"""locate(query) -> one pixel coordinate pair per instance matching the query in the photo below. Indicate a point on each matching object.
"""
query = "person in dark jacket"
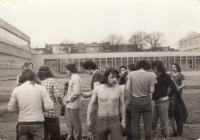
(160, 97)
(177, 110)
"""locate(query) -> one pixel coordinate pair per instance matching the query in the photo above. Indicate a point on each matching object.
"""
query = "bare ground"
(191, 97)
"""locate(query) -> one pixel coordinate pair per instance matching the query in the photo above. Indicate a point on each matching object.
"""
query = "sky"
(87, 21)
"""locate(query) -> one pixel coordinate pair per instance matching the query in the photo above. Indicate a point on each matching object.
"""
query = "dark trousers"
(108, 125)
(141, 106)
(51, 128)
(179, 121)
(28, 129)
(128, 125)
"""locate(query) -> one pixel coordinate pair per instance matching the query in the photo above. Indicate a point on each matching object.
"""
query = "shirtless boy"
(110, 99)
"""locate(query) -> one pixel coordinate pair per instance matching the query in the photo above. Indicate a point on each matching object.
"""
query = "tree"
(138, 39)
(116, 42)
(190, 33)
(67, 44)
(105, 46)
(155, 40)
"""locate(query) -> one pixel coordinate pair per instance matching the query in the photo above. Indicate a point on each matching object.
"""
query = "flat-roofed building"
(57, 62)
(14, 49)
(191, 43)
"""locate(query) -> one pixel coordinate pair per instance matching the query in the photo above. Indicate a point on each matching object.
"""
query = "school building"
(14, 49)
(57, 62)
(191, 43)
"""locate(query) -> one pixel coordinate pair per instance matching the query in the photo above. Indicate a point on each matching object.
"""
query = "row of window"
(185, 62)
(12, 39)
(8, 61)
(190, 42)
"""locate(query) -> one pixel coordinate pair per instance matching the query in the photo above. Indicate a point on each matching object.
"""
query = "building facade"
(14, 49)
(191, 43)
(57, 62)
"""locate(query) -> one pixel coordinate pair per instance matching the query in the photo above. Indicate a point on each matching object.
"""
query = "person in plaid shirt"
(51, 124)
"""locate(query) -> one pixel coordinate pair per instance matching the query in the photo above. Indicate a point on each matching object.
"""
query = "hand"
(72, 99)
(123, 124)
(89, 125)
(178, 89)
(84, 95)
(163, 99)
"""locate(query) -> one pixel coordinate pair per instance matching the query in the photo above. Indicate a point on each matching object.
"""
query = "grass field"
(191, 98)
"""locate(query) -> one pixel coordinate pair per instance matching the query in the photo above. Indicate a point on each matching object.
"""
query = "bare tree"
(67, 44)
(105, 46)
(138, 39)
(190, 33)
(155, 40)
(117, 42)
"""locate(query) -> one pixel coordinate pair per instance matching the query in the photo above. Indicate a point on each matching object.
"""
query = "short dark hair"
(44, 72)
(159, 65)
(177, 66)
(28, 75)
(143, 64)
(131, 67)
(125, 67)
(107, 72)
(72, 68)
(26, 64)
(89, 64)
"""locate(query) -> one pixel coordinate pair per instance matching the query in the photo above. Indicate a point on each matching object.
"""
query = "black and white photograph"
(99, 69)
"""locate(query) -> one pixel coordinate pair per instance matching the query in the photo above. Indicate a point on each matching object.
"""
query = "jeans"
(73, 124)
(171, 115)
(108, 125)
(160, 110)
(51, 128)
(141, 106)
(34, 129)
(128, 125)
(93, 119)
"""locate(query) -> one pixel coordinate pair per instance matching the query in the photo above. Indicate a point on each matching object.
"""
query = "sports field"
(191, 97)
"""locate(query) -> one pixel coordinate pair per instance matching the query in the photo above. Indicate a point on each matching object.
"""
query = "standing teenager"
(92, 69)
(73, 102)
(177, 108)
(30, 100)
(160, 97)
(51, 124)
(110, 99)
(141, 85)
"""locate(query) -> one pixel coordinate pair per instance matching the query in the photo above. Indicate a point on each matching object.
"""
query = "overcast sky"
(52, 21)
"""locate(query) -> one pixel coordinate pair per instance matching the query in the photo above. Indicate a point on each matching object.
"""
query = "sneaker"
(174, 135)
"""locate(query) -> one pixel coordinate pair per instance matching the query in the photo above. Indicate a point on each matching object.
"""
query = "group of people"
(118, 99)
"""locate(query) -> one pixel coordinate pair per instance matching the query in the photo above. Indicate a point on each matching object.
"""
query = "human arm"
(47, 102)
(183, 82)
(89, 94)
(128, 84)
(172, 86)
(92, 103)
(13, 104)
(153, 81)
(86, 94)
(122, 110)
(58, 95)
(17, 80)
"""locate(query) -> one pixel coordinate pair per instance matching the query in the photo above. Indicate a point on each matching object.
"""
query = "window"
(0, 60)
(3, 35)
(7, 36)
(0, 34)
(17, 41)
